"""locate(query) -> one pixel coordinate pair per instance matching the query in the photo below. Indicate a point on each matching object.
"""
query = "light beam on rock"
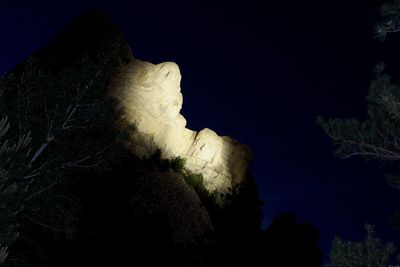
(151, 96)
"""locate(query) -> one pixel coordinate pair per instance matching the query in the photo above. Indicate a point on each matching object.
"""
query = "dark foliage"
(286, 243)
(375, 137)
(368, 252)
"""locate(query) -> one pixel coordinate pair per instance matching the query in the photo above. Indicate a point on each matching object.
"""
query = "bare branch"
(44, 224)
(79, 163)
(41, 191)
(91, 81)
(35, 172)
(42, 148)
(367, 149)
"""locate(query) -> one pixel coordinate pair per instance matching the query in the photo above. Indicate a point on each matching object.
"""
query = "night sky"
(259, 73)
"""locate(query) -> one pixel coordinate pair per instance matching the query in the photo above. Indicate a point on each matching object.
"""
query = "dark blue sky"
(260, 73)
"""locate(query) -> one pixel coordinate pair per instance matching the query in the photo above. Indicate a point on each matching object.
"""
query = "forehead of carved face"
(166, 81)
(148, 76)
(154, 89)
(167, 74)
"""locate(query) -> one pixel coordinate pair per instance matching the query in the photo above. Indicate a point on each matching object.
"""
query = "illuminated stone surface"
(151, 96)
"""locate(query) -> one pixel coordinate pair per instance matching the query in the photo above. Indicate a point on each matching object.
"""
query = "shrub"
(178, 164)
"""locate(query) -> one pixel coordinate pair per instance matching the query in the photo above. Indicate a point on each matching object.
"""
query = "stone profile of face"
(156, 89)
(151, 97)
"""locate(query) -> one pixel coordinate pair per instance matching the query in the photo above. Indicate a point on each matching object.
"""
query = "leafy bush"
(196, 180)
(178, 164)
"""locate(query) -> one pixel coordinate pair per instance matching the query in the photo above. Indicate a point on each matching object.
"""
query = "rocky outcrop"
(90, 190)
(151, 97)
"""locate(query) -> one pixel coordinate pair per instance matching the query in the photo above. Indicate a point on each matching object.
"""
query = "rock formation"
(90, 194)
(151, 97)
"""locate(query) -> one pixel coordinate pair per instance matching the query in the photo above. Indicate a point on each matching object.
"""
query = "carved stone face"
(151, 97)
(164, 82)
(154, 90)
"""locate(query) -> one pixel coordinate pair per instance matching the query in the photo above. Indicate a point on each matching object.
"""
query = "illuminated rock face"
(150, 95)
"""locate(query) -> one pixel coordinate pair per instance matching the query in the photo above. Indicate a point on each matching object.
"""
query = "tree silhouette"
(370, 252)
(286, 243)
